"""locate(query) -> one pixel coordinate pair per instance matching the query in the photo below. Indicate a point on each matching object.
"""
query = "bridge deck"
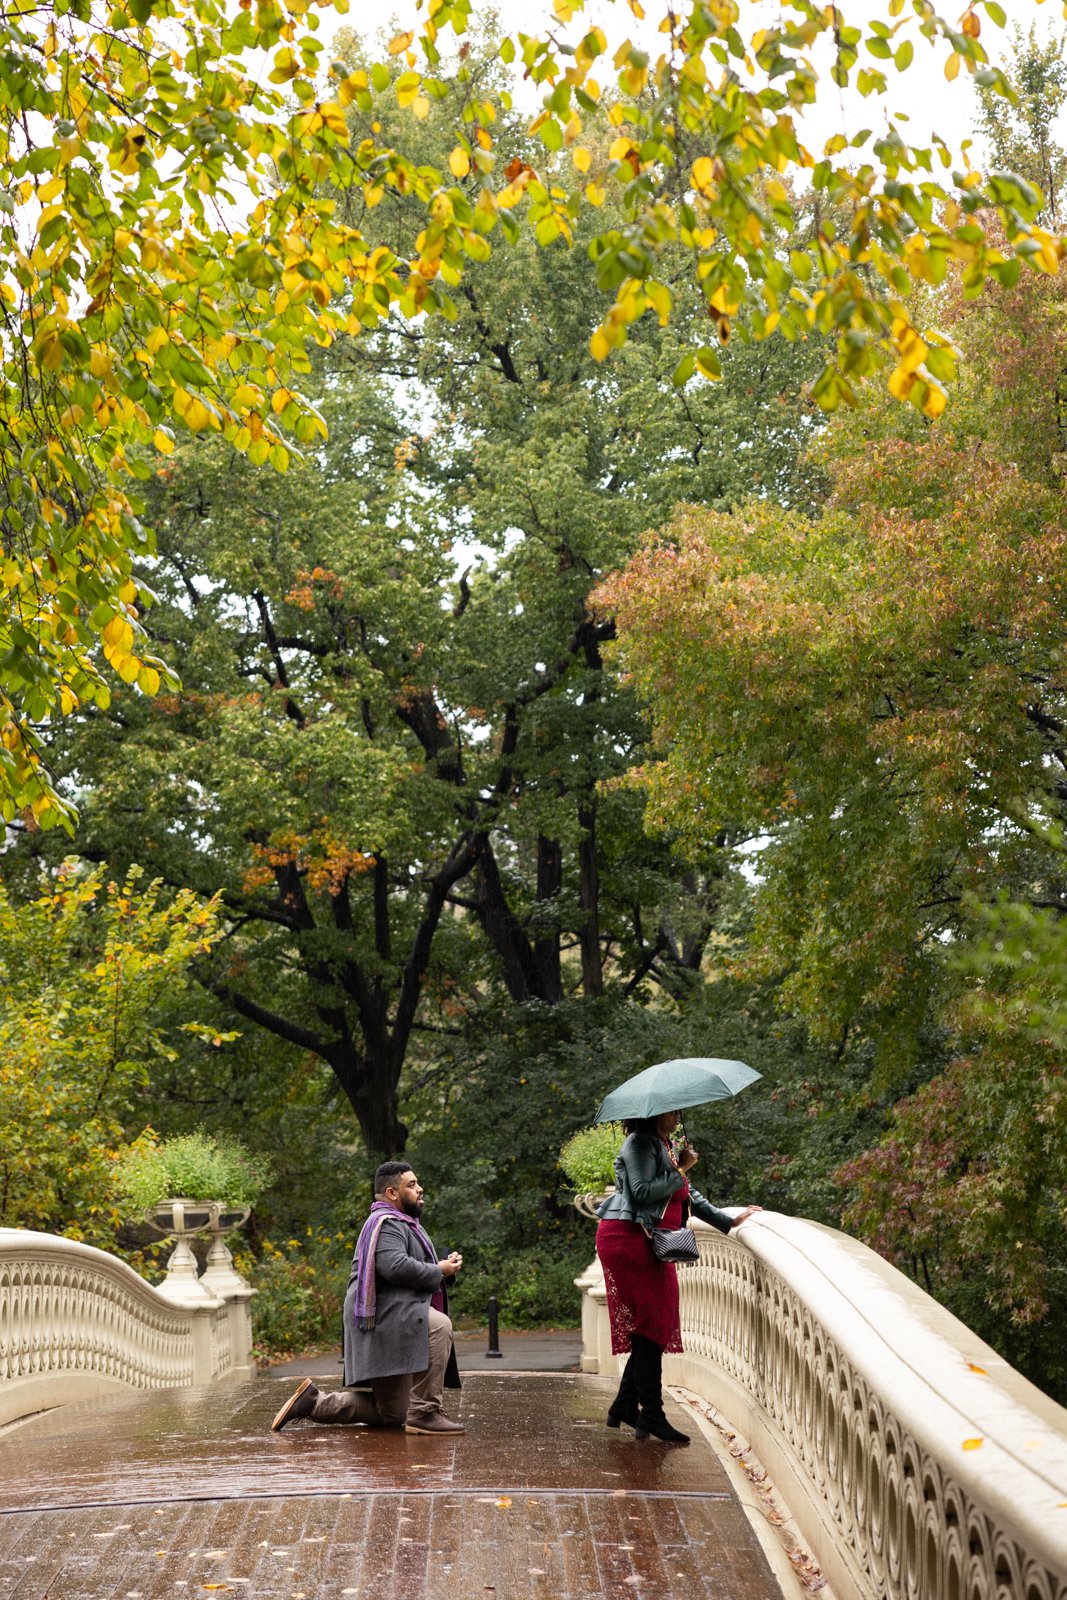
(187, 1491)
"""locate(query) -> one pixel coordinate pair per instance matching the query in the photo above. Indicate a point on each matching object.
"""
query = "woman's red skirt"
(642, 1292)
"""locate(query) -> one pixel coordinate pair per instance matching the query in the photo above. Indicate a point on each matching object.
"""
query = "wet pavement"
(185, 1491)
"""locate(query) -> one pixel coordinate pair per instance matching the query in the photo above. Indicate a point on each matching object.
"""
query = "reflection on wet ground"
(188, 1490)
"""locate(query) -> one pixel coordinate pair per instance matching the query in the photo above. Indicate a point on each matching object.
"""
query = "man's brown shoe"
(299, 1404)
(434, 1423)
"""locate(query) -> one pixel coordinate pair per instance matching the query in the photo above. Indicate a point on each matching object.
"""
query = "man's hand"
(451, 1264)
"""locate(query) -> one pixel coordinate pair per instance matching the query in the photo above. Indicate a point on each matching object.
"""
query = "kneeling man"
(397, 1335)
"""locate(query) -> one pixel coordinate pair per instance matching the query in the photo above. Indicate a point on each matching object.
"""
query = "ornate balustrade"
(76, 1323)
(918, 1464)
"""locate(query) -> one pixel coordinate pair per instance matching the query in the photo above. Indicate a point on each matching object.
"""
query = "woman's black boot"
(648, 1374)
(656, 1425)
(624, 1406)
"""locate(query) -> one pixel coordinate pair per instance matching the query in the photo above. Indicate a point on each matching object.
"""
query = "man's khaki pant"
(406, 1397)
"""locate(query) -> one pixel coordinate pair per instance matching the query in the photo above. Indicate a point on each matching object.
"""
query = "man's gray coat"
(399, 1342)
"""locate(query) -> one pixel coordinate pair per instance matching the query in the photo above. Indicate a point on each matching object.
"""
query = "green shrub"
(588, 1157)
(301, 1289)
(196, 1166)
(302, 1282)
(533, 1290)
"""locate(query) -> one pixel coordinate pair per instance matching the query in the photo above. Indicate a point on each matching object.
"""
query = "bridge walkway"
(178, 1493)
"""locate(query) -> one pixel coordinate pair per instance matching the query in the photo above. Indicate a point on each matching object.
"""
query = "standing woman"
(651, 1190)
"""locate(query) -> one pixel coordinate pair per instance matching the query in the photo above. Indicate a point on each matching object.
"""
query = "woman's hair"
(639, 1125)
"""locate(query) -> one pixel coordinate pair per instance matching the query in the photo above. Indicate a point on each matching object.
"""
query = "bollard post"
(493, 1352)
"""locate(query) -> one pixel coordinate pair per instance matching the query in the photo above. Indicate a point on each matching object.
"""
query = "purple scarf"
(366, 1245)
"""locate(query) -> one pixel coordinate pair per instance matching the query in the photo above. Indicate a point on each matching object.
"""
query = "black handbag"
(678, 1245)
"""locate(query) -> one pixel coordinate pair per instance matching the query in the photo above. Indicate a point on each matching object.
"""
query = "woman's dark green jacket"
(645, 1181)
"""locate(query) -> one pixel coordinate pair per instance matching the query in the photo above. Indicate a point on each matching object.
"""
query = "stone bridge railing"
(77, 1324)
(917, 1463)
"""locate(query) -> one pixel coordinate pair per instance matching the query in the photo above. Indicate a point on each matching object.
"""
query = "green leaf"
(684, 370)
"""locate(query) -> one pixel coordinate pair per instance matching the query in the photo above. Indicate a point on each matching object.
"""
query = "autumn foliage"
(184, 189)
(874, 698)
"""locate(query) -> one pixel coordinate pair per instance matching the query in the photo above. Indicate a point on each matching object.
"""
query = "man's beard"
(412, 1208)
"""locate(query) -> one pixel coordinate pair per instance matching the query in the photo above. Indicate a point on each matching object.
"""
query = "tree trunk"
(371, 1089)
(546, 946)
(589, 900)
(502, 927)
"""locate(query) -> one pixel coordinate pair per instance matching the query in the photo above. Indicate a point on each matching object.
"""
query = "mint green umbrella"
(673, 1085)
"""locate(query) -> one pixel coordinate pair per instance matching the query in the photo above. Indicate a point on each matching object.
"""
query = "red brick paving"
(187, 1493)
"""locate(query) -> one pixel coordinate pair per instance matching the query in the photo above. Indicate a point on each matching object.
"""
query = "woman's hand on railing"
(743, 1216)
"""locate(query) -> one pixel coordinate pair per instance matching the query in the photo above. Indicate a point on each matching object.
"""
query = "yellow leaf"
(952, 67)
(981, 1370)
(118, 634)
(421, 106)
(197, 416)
(459, 162)
(581, 158)
(163, 442)
(400, 43)
(900, 383)
(599, 345)
(620, 149)
(913, 350)
(594, 194)
(349, 87)
(50, 352)
(334, 119)
(973, 1444)
(935, 399)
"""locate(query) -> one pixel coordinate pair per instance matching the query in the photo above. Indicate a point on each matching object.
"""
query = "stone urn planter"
(590, 1285)
(181, 1218)
(220, 1275)
(587, 1200)
(194, 1184)
(588, 1159)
